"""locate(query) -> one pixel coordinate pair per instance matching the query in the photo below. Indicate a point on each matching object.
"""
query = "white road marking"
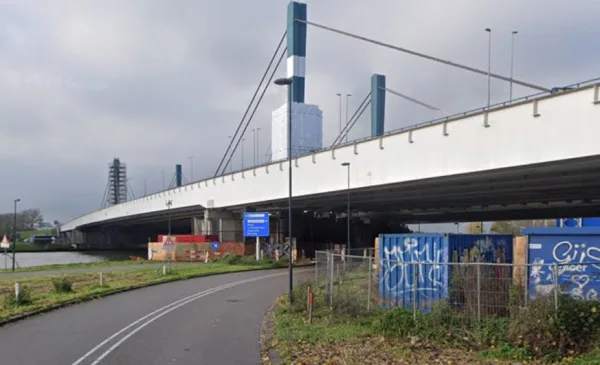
(165, 309)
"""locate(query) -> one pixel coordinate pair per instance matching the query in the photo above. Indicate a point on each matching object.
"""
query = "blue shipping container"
(402, 282)
(578, 222)
(576, 251)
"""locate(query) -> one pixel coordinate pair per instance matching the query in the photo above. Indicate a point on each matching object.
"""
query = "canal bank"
(44, 258)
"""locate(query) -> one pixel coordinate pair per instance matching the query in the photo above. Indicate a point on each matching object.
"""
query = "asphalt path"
(211, 320)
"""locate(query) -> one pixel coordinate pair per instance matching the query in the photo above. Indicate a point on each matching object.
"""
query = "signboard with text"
(256, 224)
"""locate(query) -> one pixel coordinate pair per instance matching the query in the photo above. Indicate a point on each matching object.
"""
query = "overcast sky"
(153, 82)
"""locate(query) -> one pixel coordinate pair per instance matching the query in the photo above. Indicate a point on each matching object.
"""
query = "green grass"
(106, 264)
(41, 288)
(36, 247)
(43, 232)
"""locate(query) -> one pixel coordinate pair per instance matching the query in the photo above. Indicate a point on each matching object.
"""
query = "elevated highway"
(533, 157)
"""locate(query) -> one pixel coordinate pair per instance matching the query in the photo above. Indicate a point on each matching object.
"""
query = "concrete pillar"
(221, 222)
(377, 105)
(198, 225)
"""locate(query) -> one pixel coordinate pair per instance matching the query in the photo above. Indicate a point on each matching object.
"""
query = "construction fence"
(355, 284)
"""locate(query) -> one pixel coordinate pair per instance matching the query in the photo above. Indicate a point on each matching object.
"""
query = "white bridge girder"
(545, 130)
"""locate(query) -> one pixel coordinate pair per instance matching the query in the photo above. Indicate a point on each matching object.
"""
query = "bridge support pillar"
(377, 105)
(223, 223)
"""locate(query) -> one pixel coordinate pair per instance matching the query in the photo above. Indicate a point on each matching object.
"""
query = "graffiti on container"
(575, 274)
(397, 264)
(270, 248)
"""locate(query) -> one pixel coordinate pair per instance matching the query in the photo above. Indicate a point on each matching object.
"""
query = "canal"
(29, 259)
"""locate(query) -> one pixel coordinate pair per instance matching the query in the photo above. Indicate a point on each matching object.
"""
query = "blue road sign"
(256, 224)
(214, 245)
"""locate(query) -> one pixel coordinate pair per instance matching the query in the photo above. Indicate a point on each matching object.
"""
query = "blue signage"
(214, 245)
(256, 224)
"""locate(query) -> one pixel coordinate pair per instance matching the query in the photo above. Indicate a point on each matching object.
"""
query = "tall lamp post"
(191, 168)
(489, 87)
(257, 147)
(14, 250)
(512, 60)
(243, 139)
(340, 114)
(347, 165)
(288, 82)
(347, 99)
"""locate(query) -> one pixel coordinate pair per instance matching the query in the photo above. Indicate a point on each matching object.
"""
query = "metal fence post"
(555, 286)
(479, 292)
(316, 270)
(331, 261)
(526, 288)
(369, 285)
(415, 288)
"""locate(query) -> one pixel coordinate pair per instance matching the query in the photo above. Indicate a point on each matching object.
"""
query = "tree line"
(27, 220)
(511, 227)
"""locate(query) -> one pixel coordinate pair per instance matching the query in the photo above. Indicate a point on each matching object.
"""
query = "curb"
(268, 354)
(118, 291)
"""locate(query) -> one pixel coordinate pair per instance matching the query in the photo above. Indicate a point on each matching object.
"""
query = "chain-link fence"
(468, 290)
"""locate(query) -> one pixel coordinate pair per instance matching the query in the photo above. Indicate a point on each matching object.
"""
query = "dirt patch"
(379, 351)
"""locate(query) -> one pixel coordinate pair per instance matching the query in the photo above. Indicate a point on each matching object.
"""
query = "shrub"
(231, 259)
(550, 333)
(62, 285)
(397, 322)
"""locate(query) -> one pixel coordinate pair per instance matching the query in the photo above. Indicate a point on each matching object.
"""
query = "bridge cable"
(422, 55)
(250, 104)
(283, 52)
(341, 136)
(355, 120)
(414, 100)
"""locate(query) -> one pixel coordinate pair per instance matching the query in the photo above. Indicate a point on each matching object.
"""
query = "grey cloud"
(153, 83)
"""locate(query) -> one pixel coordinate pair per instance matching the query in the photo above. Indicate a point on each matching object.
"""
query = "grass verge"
(41, 292)
(349, 334)
(100, 264)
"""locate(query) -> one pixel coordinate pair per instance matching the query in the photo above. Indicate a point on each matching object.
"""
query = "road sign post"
(168, 246)
(5, 245)
(256, 224)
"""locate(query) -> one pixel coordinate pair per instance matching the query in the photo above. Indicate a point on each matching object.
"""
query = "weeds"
(62, 285)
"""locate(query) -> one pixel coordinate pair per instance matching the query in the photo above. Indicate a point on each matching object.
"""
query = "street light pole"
(230, 164)
(347, 97)
(489, 91)
(340, 97)
(191, 168)
(168, 203)
(253, 147)
(243, 139)
(347, 164)
(288, 82)
(512, 61)
(257, 147)
(15, 235)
